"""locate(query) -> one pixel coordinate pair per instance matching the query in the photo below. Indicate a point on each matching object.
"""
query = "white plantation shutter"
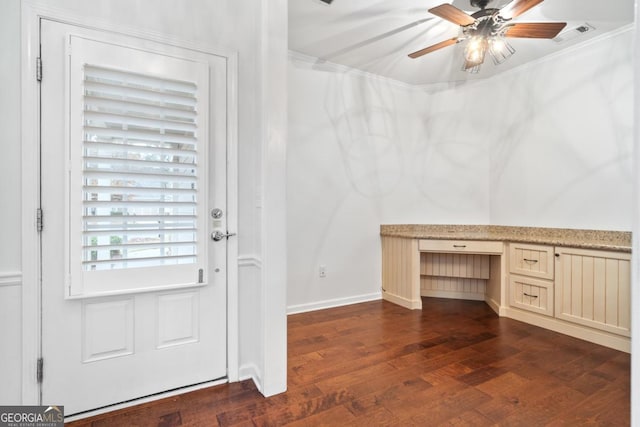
(137, 186)
(139, 171)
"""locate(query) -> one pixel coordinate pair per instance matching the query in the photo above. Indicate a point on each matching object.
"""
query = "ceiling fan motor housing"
(480, 3)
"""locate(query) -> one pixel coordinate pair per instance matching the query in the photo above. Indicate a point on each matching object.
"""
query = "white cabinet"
(584, 293)
(531, 272)
(531, 294)
(456, 246)
(593, 289)
(531, 260)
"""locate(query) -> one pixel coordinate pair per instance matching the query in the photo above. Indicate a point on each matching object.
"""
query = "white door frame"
(31, 14)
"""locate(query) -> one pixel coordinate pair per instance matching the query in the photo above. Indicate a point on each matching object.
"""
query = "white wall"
(562, 150)
(547, 144)
(365, 151)
(232, 25)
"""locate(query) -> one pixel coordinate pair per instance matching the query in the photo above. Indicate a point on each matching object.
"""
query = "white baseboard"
(453, 295)
(495, 306)
(402, 301)
(251, 372)
(577, 331)
(338, 302)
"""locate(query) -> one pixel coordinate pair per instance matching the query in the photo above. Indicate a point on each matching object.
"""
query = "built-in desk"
(572, 281)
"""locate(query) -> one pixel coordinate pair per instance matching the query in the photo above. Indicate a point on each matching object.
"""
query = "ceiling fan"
(487, 29)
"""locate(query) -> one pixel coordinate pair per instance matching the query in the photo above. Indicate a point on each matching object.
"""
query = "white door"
(133, 164)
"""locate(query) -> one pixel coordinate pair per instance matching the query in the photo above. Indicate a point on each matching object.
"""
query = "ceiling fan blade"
(434, 47)
(540, 30)
(518, 7)
(452, 14)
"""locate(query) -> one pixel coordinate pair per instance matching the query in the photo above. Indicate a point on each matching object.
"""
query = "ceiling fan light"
(500, 50)
(476, 50)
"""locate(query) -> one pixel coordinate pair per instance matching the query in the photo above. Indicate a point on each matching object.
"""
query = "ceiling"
(377, 35)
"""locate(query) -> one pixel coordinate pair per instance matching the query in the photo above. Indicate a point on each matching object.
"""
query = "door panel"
(125, 341)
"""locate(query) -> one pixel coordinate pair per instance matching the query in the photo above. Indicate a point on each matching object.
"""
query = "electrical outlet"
(322, 271)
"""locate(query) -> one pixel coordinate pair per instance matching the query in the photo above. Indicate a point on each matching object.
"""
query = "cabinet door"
(593, 289)
(531, 260)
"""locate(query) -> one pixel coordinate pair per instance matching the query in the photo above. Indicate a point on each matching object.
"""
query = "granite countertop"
(587, 239)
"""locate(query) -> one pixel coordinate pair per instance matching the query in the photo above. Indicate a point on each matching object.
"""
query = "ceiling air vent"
(574, 33)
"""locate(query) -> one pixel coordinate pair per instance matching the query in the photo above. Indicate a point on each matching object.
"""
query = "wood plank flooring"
(377, 364)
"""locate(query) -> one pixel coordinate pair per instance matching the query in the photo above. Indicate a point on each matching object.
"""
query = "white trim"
(251, 372)
(10, 279)
(233, 302)
(136, 402)
(320, 64)
(337, 302)
(402, 301)
(272, 100)
(31, 13)
(635, 237)
(471, 296)
(249, 261)
(495, 306)
(34, 8)
(598, 337)
(30, 164)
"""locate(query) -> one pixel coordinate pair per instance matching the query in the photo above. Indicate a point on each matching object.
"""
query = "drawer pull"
(460, 246)
(530, 261)
(530, 296)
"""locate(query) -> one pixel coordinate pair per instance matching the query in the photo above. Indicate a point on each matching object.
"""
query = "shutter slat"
(141, 163)
(113, 189)
(137, 109)
(134, 80)
(145, 204)
(122, 121)
(166, 259)
(153, 139)
(122, 175)
(130, 246)
(183, 102)
(134, 231)
(137, 218)
(112, 147)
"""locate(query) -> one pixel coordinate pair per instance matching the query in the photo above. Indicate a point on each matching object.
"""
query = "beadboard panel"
(453, 287)
(467, 266)
(400, 271)
(593, 288)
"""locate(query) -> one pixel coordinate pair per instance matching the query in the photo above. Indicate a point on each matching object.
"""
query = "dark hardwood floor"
(377, 364)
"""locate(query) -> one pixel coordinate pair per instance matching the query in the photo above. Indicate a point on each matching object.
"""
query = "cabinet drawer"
(531, 260)
(455, 246)
(531, 294)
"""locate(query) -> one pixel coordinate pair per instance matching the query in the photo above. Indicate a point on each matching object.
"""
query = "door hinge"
(201, 276)
(39, 221)
(39, 370)
(39, 69)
